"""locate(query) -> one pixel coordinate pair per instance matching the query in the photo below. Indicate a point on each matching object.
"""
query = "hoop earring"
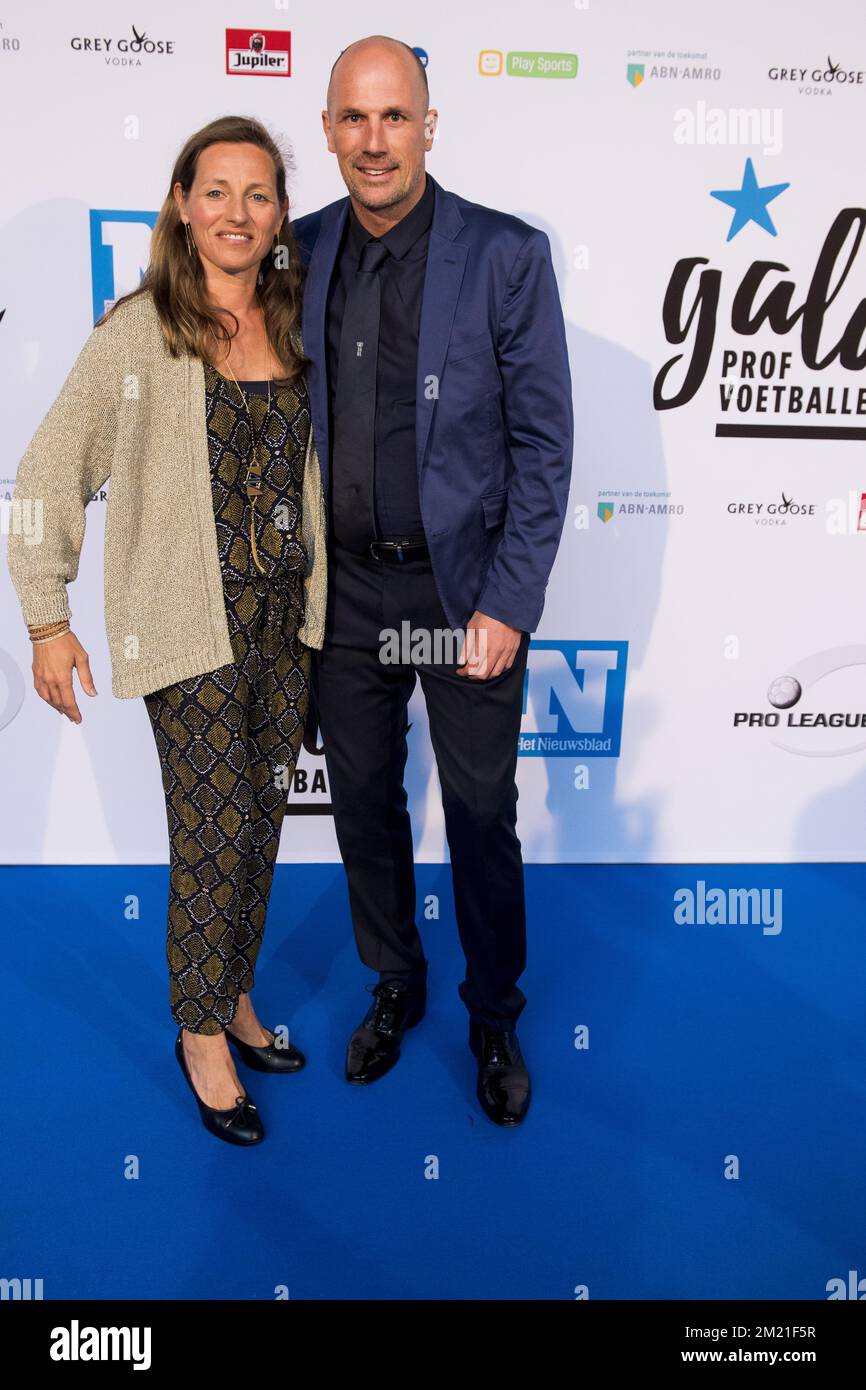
(189, 241)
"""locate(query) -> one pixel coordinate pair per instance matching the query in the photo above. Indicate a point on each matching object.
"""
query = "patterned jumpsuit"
(228, 740)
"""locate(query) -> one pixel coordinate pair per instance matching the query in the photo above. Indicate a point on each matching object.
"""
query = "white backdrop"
(696, 571)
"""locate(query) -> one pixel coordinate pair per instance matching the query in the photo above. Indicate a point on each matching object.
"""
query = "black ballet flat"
(268, 1058)
(239, 1125)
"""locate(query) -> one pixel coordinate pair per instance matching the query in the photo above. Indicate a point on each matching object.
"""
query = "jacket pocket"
(467, 345)
(494, 505)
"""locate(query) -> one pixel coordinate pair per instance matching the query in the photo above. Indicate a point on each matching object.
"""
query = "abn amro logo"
(573, 699)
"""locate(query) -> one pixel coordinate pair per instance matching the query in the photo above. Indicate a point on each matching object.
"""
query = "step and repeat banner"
(697, 687)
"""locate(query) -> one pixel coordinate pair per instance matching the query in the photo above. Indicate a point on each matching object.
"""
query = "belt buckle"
(394, 550)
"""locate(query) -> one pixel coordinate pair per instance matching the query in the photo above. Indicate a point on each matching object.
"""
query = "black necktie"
(355, 405)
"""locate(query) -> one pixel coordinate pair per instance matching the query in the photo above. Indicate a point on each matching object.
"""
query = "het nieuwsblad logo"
(573, 699)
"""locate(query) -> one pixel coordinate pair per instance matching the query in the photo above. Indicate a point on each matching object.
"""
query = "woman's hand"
(53, 663)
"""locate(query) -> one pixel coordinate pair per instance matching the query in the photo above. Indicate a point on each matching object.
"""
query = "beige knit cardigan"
(131, 412)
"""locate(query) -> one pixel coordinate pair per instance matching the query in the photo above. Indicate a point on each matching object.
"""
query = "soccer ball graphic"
(784, 692)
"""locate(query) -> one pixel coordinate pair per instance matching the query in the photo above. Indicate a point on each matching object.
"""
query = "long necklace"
(253, 480)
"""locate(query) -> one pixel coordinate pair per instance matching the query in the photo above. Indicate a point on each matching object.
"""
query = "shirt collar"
(404, 234)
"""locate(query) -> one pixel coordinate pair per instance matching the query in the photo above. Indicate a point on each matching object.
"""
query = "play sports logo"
(526, 63)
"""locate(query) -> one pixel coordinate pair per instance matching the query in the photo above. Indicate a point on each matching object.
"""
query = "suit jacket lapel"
(318, 279)
(446, 263)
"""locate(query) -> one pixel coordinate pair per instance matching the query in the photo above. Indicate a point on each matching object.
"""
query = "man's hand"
(490, 648)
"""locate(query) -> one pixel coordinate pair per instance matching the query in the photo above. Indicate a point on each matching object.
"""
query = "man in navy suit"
(441, 406)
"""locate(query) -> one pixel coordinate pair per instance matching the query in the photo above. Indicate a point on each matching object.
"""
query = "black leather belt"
(397, 552)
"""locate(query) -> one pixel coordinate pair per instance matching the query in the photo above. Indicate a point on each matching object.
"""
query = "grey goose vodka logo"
(126, 50)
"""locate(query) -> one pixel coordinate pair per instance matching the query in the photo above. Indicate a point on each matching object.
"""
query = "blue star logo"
(750, 202)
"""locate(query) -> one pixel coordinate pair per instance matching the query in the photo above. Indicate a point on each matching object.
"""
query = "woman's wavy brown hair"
(176, 279)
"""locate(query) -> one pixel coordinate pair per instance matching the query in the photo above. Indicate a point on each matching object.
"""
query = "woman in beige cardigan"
(190, 395)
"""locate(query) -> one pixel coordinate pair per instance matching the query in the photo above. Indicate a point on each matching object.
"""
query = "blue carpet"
(705, 1041)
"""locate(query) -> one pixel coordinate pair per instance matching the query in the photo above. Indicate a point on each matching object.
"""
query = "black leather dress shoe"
(239, 1125)
(374, 1046)
(503, 1087)
(268, 1058)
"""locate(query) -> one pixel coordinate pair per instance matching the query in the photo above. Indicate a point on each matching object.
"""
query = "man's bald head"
(380, 126)
(368, 49)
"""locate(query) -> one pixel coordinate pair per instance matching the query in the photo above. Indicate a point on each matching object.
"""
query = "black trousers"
(474, 727)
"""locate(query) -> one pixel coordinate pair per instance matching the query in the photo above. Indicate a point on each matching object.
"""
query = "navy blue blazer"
(494, 416)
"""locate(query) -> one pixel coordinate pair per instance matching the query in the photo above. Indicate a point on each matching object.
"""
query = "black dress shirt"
(396, 499)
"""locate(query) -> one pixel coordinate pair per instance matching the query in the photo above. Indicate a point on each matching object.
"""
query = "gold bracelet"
(49, 637)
